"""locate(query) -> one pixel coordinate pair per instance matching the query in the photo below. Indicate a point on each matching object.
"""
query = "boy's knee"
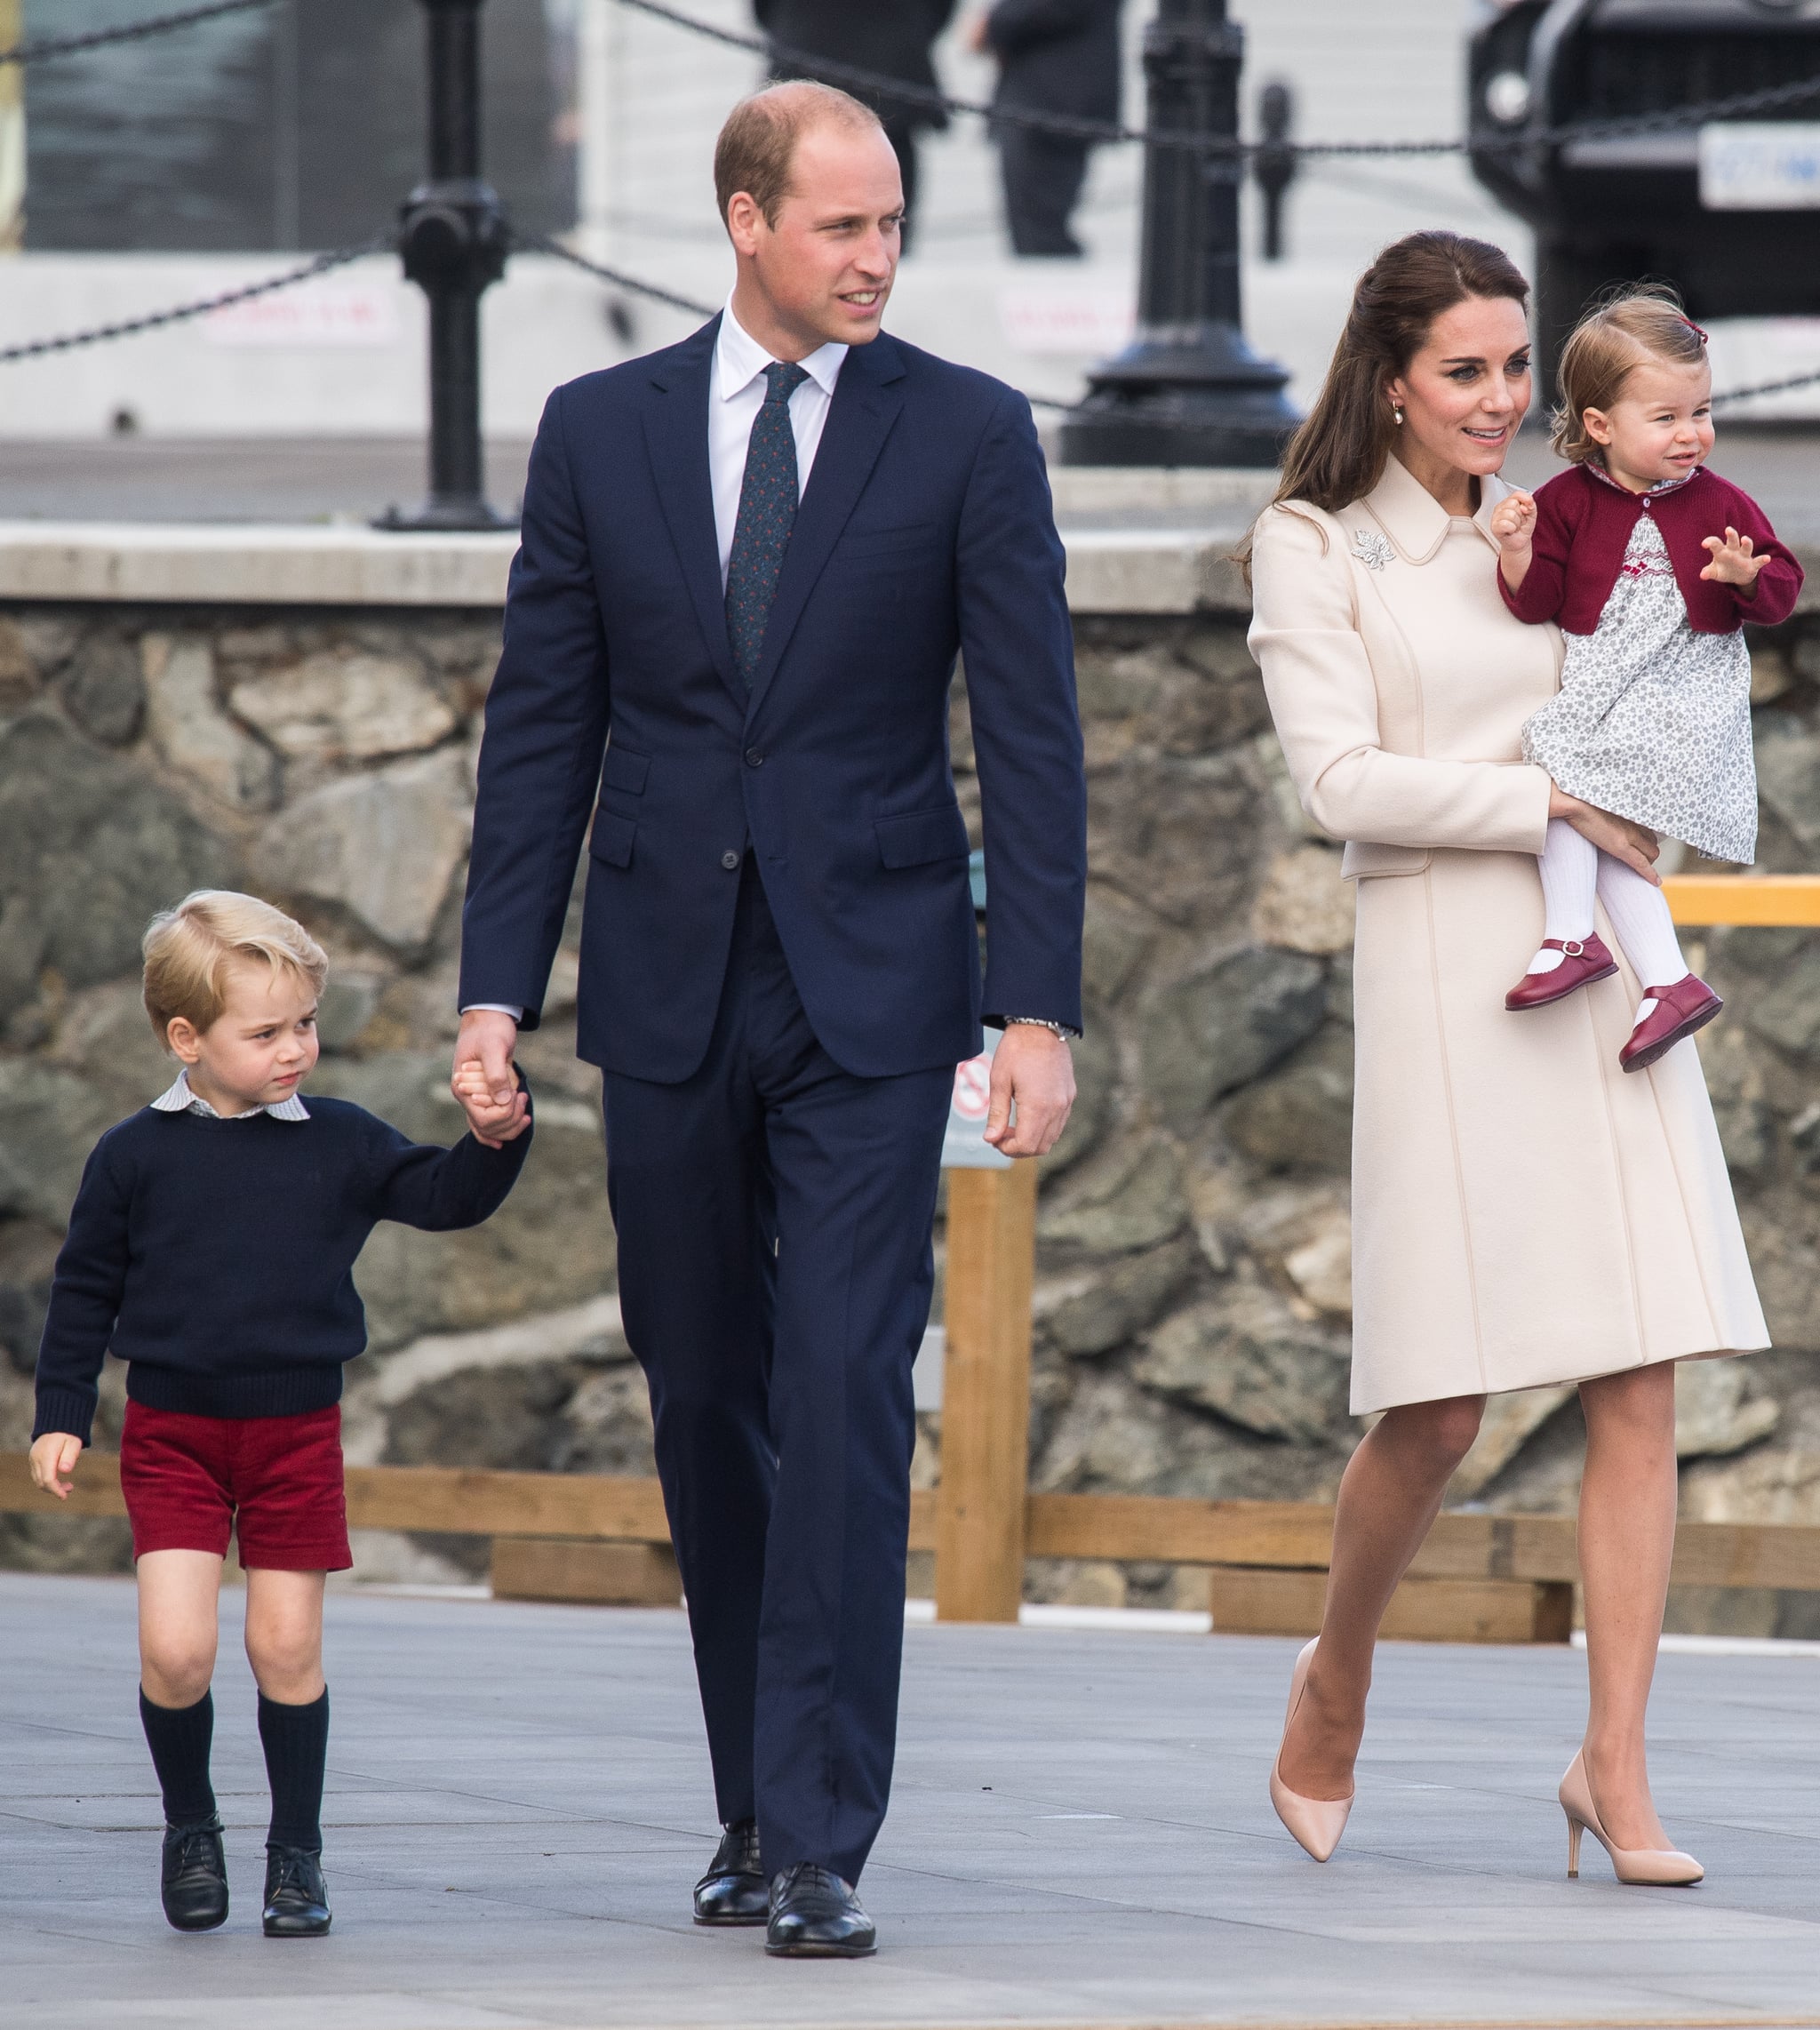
(176, 1674)
(287, 1663)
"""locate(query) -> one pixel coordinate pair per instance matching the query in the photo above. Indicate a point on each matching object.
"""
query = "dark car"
(1728, 211)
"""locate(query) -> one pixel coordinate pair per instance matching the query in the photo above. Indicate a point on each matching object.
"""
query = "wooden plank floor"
(518, 1803)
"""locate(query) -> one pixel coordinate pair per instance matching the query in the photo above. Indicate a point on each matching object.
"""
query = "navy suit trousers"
(774, 1216)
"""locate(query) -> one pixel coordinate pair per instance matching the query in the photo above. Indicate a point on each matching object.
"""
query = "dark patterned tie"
(767, 514)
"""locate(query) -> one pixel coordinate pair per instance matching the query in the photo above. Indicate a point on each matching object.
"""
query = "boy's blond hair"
(190, 949)
(1618, 334)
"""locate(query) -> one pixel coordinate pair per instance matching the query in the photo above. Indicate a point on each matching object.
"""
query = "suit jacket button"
(729, 860)
(754, 759)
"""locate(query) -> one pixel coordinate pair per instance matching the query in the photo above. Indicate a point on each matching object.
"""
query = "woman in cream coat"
(1524, 1213)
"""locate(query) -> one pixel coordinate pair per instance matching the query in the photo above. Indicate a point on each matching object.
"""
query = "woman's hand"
(1513, 523)
(1636, 845)
(1732, 562)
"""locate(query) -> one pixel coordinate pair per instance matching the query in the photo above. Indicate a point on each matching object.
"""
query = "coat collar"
(1414, 521)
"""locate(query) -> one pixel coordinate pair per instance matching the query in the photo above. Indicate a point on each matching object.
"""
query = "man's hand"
(1733, 563)
(1513, 523)
(483, 1079)
(489, 1123)
(54, 1455)
(1033, 1069)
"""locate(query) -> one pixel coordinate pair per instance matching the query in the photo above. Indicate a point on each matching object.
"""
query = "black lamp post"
(1188, 390)
(452, 235)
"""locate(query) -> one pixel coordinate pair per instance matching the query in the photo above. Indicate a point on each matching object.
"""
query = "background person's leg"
(1043, 175)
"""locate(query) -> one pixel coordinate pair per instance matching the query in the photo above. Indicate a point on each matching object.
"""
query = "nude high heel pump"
(1666, 1867)
(1316, 1822)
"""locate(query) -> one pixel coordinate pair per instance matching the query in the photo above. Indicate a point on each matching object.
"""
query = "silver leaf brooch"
(1373, 548)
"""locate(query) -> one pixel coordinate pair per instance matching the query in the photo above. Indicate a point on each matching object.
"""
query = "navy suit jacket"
(925, 530)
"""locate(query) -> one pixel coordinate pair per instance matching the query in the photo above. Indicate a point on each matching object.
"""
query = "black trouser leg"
(1043, 176)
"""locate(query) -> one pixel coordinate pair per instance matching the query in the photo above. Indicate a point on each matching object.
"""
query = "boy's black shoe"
(297, 1897)
(192, 1878)
(734, 1890)
(817, 1915)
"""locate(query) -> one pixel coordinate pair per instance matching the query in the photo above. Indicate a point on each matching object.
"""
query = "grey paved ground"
(518, 1804)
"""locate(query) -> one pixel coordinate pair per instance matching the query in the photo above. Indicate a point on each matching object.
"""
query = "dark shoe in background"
(297, 1897)
(816, 1915)
(734, 1890)
(192, 1878)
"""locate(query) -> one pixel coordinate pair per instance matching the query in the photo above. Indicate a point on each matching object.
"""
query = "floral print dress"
(1653, 720)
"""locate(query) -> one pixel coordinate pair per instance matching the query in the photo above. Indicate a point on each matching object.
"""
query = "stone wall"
(1193, 1291)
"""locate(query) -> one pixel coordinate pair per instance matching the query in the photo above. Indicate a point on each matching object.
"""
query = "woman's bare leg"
(1389, 1496)
(1627, 1510)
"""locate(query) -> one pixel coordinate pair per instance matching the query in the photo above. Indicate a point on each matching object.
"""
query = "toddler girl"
(1653, 718)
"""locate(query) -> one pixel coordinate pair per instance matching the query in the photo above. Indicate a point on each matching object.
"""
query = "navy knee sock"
(180, 1738)
(296, 1741)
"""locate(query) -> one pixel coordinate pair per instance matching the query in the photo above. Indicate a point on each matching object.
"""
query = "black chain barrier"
(1770, 99)
(51, 46)
(181, 313)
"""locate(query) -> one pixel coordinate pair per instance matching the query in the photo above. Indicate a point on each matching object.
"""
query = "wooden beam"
(599, 1575)
(1260, 1602)
(981, 1502)
(1172, 1530)
(1743, 899)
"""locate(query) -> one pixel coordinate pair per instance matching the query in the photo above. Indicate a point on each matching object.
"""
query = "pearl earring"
(1399, 415)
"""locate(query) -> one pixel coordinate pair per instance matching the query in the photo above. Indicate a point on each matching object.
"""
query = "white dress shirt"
(178, 1099)
(735, 395)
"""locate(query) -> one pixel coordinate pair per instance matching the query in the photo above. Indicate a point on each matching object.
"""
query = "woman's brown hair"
(1615, 336)
(1338, 454)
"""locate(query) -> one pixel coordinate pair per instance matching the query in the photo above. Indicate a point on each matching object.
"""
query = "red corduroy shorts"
(275, 1481)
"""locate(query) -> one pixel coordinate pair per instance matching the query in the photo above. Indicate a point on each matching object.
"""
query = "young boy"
(212, 1248)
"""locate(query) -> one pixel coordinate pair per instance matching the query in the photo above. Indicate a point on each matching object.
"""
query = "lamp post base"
(446, 512)
(1209, 401)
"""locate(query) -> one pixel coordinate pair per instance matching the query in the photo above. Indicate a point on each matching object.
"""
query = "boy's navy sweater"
(216, 1257)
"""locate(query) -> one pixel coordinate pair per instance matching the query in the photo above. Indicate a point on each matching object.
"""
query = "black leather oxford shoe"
(192, 1878)
(816, 1915)
(297, 1897)
(734, 1890)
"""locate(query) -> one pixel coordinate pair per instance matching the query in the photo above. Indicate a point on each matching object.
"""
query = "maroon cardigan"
(1584, 522)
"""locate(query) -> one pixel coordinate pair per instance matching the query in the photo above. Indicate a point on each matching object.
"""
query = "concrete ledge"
(1110, 570)
(224, 564)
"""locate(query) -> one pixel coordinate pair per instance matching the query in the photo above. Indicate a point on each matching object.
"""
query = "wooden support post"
(985, 1394)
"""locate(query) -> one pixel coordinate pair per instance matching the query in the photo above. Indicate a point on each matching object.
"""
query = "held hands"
(53, 1455)
(1733, 563)
(1036, 1069)
(483, 1079)
(1513, 523)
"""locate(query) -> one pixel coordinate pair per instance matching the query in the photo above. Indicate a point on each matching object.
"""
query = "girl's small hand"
(1732, 561)
(1513, 523)
(489, 1122)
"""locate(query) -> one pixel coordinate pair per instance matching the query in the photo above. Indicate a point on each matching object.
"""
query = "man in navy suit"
(748, 565)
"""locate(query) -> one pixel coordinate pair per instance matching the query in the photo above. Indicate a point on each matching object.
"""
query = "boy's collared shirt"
(178, 1099)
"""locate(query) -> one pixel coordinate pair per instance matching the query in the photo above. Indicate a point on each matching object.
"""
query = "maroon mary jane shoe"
(1585, 960)
(1668, 1014)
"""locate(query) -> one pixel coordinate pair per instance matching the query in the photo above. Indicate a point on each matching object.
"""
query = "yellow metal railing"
(1758, 900)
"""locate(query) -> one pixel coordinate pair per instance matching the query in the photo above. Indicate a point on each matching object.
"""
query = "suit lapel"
(675, 436)
(865, 404)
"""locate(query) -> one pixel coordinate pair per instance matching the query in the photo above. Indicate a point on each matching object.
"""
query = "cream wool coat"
(1523, 1211)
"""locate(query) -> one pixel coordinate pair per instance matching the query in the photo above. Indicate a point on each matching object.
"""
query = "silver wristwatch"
(1059, 1029)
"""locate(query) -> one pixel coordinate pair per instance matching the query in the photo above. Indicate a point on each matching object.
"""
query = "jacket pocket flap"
(1364, 861)
(623, 769)
(612, 838)
(915, 837)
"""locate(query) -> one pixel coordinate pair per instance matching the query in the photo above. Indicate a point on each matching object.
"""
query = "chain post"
(1188, 390)
(452, 238)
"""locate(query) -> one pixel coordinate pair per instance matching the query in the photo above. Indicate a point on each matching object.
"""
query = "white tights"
(1573, 872)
